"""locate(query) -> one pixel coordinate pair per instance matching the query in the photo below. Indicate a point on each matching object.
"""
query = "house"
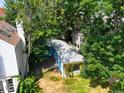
(77, 39)
(13, 59)
(68, 61)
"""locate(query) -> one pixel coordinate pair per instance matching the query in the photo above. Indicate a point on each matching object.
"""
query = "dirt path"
(49, 86)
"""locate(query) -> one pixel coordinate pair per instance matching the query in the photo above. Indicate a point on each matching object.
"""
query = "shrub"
(118, 87)
(54, 78)
(29, 85)
(83, 74)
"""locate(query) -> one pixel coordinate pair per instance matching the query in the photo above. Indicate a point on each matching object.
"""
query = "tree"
(37, 16)
(11, 10)
(103, 46)
(68, 17)
(45, 19)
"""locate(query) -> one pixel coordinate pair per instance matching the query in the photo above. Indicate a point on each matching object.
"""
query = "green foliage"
(103, 46)
(68, 17)
(119, 86)
(38, 17)
(55, 78)
(11, 9)
(29, 85)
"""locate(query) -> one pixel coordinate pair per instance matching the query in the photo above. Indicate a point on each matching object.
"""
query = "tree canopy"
(103, 46)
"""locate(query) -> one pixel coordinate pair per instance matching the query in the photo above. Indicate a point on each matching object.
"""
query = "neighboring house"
(2, 12)
(77, 39)
(13, 59)
(65, 56)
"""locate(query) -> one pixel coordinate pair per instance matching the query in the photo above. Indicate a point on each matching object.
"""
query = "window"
(76, 67)
(78, 46)
(1, 87)
(81, 39)
(75, 44)
(10, 85)
(5, 33)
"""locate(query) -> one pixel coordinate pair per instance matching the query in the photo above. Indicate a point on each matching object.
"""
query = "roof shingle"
(65, 53)
(9, 33)
(2, 12)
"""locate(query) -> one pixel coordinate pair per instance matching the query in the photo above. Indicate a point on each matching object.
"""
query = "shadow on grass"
(40, 68)
(94, 84)
(36, 70)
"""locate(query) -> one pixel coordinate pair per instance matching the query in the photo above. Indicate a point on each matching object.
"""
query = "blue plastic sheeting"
(58, 60)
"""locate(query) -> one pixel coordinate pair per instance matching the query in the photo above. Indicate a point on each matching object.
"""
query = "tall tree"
(37, 16)
(103, 46)
(11, 12)
(68, 17)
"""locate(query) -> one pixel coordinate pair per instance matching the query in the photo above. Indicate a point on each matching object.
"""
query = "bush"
(118, 87)
(83, 74)
(29, 85)
(117, 91)
(54, 78)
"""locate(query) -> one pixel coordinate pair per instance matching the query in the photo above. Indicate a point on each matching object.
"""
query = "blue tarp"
(58, 60)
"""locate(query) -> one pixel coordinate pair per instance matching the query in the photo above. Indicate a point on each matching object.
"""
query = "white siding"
(5, 86)
(21, 33)
(76, 37)
(8, 62)
(21, 60)
(15, 83)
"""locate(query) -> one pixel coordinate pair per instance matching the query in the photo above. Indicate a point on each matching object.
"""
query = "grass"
(77, 85)
(53, 83)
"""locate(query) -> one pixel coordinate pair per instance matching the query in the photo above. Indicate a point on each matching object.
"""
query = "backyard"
(94, 27)
(53, 83)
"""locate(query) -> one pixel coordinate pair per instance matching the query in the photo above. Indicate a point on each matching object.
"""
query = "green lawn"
(77, 85)
(68, 85)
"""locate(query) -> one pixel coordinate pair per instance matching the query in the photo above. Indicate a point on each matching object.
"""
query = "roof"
(2, 12)
(8, 33)
(66, 54)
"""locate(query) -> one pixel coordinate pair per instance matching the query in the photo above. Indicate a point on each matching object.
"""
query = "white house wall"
(76, 38)
(8, 62)
(21, 60)
(16, 84)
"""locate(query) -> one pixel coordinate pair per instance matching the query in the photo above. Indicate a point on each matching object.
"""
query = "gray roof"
(66, 54)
